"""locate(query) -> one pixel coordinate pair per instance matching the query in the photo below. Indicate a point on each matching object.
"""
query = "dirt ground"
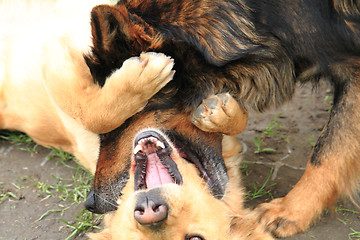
(290, 135)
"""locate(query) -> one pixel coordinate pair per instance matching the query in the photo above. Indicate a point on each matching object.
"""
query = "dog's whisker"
(196, 188)
(105, 200)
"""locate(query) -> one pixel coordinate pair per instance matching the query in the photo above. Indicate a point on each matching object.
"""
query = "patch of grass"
(20, 139)
(273, 127)
(341, 209)
(52, 211)
(344, 221)
(6, 195)
(263, 190)
(61, 156)
(84, 222)
(271, 130)
(259, 149)
(75, 190)
(354, 234)
(244, 167)
(71, 191)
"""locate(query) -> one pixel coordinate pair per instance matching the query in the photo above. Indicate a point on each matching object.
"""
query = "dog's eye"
(194, 237)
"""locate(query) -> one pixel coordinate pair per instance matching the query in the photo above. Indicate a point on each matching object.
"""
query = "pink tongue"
(156, 173)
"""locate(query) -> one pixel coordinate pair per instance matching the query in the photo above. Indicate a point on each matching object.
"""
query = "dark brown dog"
(255, 50)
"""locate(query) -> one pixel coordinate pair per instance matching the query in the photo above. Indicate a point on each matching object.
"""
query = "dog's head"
(155, 139)
(167, 197)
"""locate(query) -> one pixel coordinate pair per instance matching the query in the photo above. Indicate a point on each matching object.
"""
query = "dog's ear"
(111, 24)
(117, 35)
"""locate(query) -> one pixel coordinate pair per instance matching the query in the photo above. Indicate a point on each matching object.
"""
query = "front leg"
(126, 91)
(333, 170)
(220, 113)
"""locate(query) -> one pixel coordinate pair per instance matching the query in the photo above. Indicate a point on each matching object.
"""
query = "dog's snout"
(150, 212)
(97, 205)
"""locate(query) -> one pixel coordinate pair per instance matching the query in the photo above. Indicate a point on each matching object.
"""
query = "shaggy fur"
(257, 51)
(47, 90)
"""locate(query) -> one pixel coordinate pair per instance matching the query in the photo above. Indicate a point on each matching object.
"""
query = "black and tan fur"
(255, 50)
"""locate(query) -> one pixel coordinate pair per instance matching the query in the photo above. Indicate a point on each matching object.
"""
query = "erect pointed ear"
(111, 24)
(117, 35)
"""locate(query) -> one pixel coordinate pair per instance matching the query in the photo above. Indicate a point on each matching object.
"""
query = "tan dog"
(183, 210)
(47, 90)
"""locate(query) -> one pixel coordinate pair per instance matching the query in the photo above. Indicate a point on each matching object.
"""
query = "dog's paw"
(281, 219)
(220, 113)
(214, 113)
(156, 72)
(143, 76)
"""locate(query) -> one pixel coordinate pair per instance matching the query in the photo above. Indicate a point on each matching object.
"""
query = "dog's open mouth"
(154, 166)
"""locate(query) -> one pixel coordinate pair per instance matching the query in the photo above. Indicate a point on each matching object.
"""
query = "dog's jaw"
(160, 150)
(153, 163)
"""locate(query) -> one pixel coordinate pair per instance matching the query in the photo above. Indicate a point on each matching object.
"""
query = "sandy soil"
(298, 126)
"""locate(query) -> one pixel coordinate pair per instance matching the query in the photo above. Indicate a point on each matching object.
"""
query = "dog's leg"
(230, 146)
(246, 227)
(220, 113)
(333, 170)
(125, 92)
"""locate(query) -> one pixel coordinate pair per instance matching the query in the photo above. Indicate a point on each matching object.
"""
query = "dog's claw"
(211, 103)
(279, 220)
(220, 113)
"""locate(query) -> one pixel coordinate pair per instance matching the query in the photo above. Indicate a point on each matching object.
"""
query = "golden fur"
(47, 90)
(193, 209)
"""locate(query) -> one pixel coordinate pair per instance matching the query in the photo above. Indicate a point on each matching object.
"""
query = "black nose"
(90, 203)
(150, 212)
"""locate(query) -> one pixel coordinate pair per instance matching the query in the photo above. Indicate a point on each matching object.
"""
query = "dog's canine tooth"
(160, 144)
(137, 149)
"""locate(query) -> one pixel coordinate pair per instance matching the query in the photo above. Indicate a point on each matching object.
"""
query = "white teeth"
(137, 149)
(152, 139)
(160, 144)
